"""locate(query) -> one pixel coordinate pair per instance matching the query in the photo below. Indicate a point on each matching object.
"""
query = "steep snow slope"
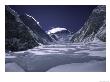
(59, 34)
(55, 30)
(95, 26)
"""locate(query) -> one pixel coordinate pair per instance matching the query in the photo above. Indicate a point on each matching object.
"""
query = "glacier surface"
(71, 56)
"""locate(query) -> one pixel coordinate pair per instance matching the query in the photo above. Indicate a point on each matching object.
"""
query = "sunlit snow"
(54, 30)
(32, 18)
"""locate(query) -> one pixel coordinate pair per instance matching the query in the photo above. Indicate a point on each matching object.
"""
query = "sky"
(71, 17)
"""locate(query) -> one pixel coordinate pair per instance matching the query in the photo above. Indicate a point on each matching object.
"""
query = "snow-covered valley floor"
(64, 57)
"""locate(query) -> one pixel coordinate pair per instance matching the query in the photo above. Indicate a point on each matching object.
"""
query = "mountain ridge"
(92, 26)
(19, 35)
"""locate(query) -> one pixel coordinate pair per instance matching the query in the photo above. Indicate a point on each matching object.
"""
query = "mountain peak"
(57, 29)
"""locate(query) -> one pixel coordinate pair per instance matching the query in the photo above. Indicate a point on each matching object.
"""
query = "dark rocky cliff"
(22, 32)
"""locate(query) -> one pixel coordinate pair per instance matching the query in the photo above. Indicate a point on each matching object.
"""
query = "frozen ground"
(93, 66)
(60, 57)
(13, 67)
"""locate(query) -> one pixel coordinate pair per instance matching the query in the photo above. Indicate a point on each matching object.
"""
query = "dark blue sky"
(71, 17)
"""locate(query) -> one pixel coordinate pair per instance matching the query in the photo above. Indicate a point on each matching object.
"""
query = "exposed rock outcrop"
(17, 35)
(22, 32)
(94, 27)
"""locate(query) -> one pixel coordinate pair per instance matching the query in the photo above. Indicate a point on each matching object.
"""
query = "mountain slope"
(59, 34)
(17, 35)
(93, 27)
(22, 32)
(41, 37)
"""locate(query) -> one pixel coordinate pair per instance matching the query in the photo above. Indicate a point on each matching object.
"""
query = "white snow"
(93, 53)
(33, 18)
(54, 30)
(44, 57)
(13, 67)
(98, 53)
(95, 66)
(93, 49)
(10, 56)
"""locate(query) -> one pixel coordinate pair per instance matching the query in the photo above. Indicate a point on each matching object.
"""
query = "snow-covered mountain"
(60, 34)
(21, 34)
(94, 27)
(41, 36)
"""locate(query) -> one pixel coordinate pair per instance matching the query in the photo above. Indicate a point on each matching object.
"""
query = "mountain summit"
(60, 34)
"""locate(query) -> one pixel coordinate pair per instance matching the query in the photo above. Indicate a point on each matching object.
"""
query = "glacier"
(43, 58)
(30, 49)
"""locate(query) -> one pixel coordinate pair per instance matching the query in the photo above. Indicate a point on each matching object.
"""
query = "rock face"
(17, 35)
(94, 27)
(59, 34)
(22, 36)
(41, 37)
(101, 34)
